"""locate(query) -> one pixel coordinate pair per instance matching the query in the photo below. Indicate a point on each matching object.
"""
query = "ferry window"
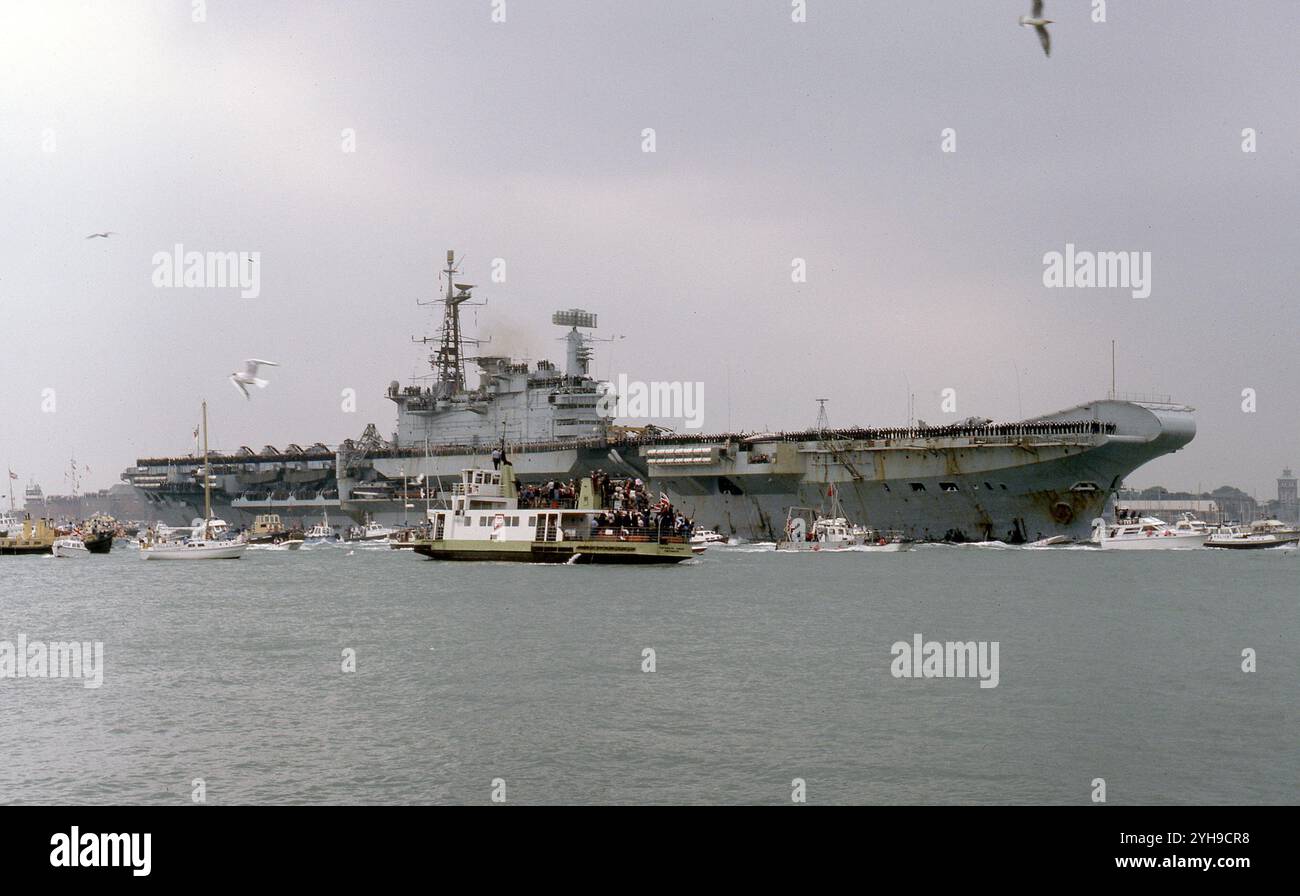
(917, 486)
(532, 521)
(948, 486)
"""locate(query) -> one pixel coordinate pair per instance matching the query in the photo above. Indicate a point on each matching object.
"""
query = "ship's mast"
(448, 362)
(207, 477)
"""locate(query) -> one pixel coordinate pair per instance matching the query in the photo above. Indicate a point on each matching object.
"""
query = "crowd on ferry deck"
(626, 504)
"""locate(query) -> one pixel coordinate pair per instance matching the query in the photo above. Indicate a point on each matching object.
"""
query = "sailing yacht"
(204, 541)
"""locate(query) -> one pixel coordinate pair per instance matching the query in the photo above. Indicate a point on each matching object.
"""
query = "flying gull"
(106, 234)
(1040, 25)
(248, 376)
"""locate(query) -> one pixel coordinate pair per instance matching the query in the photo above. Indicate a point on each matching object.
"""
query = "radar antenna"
(579, 344)
(823, 420)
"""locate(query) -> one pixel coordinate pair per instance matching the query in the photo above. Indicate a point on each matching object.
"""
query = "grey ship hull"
(1015, 483)
(962, 488)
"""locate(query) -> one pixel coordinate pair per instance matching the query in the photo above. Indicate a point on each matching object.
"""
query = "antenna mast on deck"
(823, 420)
(449, 360)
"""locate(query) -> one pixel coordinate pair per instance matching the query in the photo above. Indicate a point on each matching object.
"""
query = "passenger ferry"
(485, 522)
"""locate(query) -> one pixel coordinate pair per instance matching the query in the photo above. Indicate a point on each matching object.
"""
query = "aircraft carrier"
(972, 481)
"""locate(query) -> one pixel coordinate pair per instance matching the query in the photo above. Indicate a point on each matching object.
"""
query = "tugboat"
(34, 538)
(269, 531)
(485, 522)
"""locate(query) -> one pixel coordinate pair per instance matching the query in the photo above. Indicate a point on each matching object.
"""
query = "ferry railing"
(645, 534)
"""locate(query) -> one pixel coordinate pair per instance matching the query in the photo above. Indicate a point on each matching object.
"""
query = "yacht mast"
(207, 476)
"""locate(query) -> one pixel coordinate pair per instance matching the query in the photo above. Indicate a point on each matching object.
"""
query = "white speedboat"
(1259, 534)
(1146, 533)
(707, 537)
(71, 547)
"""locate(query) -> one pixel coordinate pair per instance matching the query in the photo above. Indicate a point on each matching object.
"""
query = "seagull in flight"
(106, 234)
(248, 376)
(1040, 25)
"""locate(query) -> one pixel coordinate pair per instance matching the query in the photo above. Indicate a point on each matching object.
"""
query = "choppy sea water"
(1122, 666)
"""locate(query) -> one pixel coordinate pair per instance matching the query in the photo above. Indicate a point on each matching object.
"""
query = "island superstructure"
(976, 480)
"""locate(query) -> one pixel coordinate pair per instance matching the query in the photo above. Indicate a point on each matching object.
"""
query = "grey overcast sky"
(522, 140)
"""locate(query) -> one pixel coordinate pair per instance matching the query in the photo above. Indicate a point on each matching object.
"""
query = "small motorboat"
(71, 547)
(1259, 534)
